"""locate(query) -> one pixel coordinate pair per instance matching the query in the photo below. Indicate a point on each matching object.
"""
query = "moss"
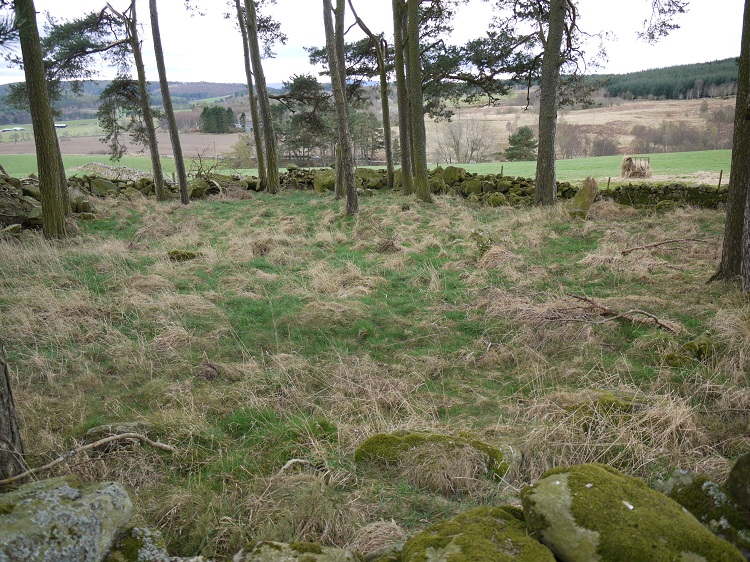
(615, 518)
(388, 449)
(701, 347)
(6, 508)
(484, 534)
(711, 504)
(306, 547)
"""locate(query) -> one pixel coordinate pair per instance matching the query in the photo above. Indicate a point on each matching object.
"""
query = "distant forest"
(689, 81)
(703, 80)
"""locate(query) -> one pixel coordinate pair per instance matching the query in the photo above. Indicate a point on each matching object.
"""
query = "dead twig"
(649, 319)
(93, 445)
(657, 244)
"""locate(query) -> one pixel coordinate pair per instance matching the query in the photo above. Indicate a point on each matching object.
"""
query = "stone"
(268, 551)
(495, 199)
(582, 201)
(13, 209)
(34, 218)
(738, 481)
(139, 544)
(453, 175)
(79, 202)
(198, 188)
(592, 512)
(370, 178)
(102, 187)
(490, 534)
(12, 231)
(32, 190)
(61, 519)
(325, 180)
(711, 504)
(132, 194)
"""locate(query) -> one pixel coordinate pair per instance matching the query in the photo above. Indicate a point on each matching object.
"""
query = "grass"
(299, 332)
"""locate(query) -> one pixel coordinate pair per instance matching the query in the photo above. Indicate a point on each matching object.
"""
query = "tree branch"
(93, 445)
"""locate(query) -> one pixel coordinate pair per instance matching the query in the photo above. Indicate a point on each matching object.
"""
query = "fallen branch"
(657, 244)
(93, 445)
(649, 320)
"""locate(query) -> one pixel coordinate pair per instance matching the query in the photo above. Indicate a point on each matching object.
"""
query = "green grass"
(294, 336)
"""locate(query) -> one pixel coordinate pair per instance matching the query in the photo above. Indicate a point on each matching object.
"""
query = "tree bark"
(269, 136)
(546, 180)
(52, 183)
(741, 145)
(335, 48)
(145, 101)
(402, 97)
(11, 446)
(174, 134)
(381, 48)
(419, 135)
(254, 117)
(735, 254)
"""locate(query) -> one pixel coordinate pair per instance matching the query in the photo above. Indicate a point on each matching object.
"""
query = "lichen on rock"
(61, 519)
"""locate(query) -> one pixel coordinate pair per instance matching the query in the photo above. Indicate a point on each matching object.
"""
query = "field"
(299, 332)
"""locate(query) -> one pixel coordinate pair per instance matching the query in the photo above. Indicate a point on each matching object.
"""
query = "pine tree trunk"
(269, 136)
(174, 134)
(145, 100)
(254, 117)
(741, 148)
(735, 253)
(546, 180)
(11, 446)
(419, 135)
(52, 183)
(402, 97)
(385, 109)
(335, 48)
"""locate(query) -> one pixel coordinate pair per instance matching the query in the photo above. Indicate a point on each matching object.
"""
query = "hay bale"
(636, 167)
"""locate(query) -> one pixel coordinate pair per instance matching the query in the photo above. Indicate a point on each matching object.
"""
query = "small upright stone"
(579, 207)
(738, 481)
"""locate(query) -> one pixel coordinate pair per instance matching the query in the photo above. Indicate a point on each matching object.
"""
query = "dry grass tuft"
(495, 257)
(662, 432)
(303, 506)
(376, 536)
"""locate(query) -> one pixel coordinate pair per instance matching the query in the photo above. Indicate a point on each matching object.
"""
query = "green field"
(676, 165)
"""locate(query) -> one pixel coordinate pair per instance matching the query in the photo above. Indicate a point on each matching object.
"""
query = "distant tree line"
(690, 81)
(217, 119)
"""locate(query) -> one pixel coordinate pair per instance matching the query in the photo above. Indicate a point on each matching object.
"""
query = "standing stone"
(579, 207)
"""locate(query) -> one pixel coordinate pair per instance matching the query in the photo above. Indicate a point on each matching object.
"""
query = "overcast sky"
(209, 48)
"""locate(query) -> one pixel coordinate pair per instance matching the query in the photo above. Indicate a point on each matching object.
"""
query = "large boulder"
(490, 534)
(61, 519)
(102, 187)
(268, 551)
(325, 180)
(453, 175)
(370, 178)
(79, 202)
(198, 188)
(592, 512)
(711, 504)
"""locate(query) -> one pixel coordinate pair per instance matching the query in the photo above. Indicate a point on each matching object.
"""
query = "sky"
(209, 48)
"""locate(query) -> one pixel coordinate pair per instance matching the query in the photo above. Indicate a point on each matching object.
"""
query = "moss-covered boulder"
(448, 465)
(453, 175)
(487, 534)
(738, 481)
(711, 504)
(369, 178)
(325, 180)
(268, 551)
(471, 187)
(198, 188)
(700, 347)
(79, 201)
(495, 199)
(61, 519)
(31, 189)
(102, 187)
(582, 201)
(592, 512)
(13, 209)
